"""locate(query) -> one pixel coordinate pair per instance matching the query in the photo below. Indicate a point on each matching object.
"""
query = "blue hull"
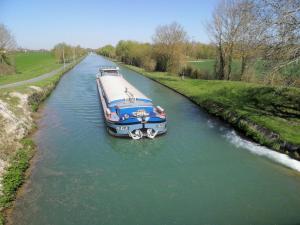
(123, 130)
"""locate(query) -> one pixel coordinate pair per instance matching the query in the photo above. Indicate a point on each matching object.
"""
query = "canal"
(200, 172)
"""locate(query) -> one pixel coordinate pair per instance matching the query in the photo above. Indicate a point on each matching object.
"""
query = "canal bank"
(252, 118)
(18, 104)
(200, 172)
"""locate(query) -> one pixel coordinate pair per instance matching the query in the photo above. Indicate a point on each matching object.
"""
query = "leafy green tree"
(65, 53)
(108, 51)
(169, 47)
(135, 53)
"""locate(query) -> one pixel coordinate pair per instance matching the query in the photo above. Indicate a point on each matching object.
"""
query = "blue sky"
(91, 23)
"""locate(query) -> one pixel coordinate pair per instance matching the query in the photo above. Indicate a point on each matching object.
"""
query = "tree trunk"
(220, 69)
(228, 75)
(243, 65)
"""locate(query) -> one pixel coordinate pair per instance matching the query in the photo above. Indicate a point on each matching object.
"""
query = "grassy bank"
(268, 115)
(18, 161)
(30, 65)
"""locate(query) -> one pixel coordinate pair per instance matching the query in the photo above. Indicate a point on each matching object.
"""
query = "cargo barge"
(127, 111)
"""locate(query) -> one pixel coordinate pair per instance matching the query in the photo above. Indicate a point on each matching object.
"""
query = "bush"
(15, 174)
(136, 54)
(195, 73)
(149, 64)
(6, 69)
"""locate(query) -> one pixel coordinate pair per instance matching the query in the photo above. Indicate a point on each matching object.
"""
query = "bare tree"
(7, 43)
(224, 32)
(216, 30)
(251, 36)
(63, 52)
(282, 28)
(169, 47)
(258, 30)
(232, 20)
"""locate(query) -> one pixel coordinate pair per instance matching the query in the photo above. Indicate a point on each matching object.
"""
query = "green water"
(200, 172)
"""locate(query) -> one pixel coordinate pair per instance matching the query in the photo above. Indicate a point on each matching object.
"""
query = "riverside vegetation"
(17, 105)
(253, 41)
(250, 81)
(268, 115)
(91, 176)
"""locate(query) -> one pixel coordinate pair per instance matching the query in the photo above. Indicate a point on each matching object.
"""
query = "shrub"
(149, 64)
(195, 73)
(14, 175)
(6, 69)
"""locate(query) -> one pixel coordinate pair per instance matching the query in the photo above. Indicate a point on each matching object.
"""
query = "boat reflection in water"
(128, 112)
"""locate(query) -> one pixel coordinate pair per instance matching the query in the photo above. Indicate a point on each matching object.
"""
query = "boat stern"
(139, 130)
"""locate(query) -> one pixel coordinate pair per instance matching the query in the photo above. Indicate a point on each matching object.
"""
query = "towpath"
(39, 78)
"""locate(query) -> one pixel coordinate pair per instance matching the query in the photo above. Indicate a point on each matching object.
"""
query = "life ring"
(151, 133)
(137, 134)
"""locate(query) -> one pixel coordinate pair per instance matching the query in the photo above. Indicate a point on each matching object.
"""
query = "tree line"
(65, 53)
(166, 53)
(251, 40)
(257, 31)
(169, 51)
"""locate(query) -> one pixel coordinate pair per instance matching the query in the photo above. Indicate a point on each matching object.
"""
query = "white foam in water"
(263, 151)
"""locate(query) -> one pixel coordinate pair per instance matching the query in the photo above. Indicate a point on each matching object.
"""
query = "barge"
(127, 111)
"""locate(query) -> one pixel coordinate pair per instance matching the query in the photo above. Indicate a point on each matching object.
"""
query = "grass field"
(204, 64)
(207, 65)
(30, 65)
(275, 108)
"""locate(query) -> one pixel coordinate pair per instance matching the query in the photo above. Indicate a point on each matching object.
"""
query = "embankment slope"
(267, 115)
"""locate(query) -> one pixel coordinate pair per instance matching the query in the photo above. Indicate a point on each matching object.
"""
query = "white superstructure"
(127, 111)
(116, 88)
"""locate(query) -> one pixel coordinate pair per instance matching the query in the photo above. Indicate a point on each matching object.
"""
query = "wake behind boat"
(127, 111)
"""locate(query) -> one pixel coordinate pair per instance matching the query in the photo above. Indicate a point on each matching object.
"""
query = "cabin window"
(110, 72)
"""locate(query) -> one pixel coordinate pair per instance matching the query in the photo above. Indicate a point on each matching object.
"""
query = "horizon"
(90, 24)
